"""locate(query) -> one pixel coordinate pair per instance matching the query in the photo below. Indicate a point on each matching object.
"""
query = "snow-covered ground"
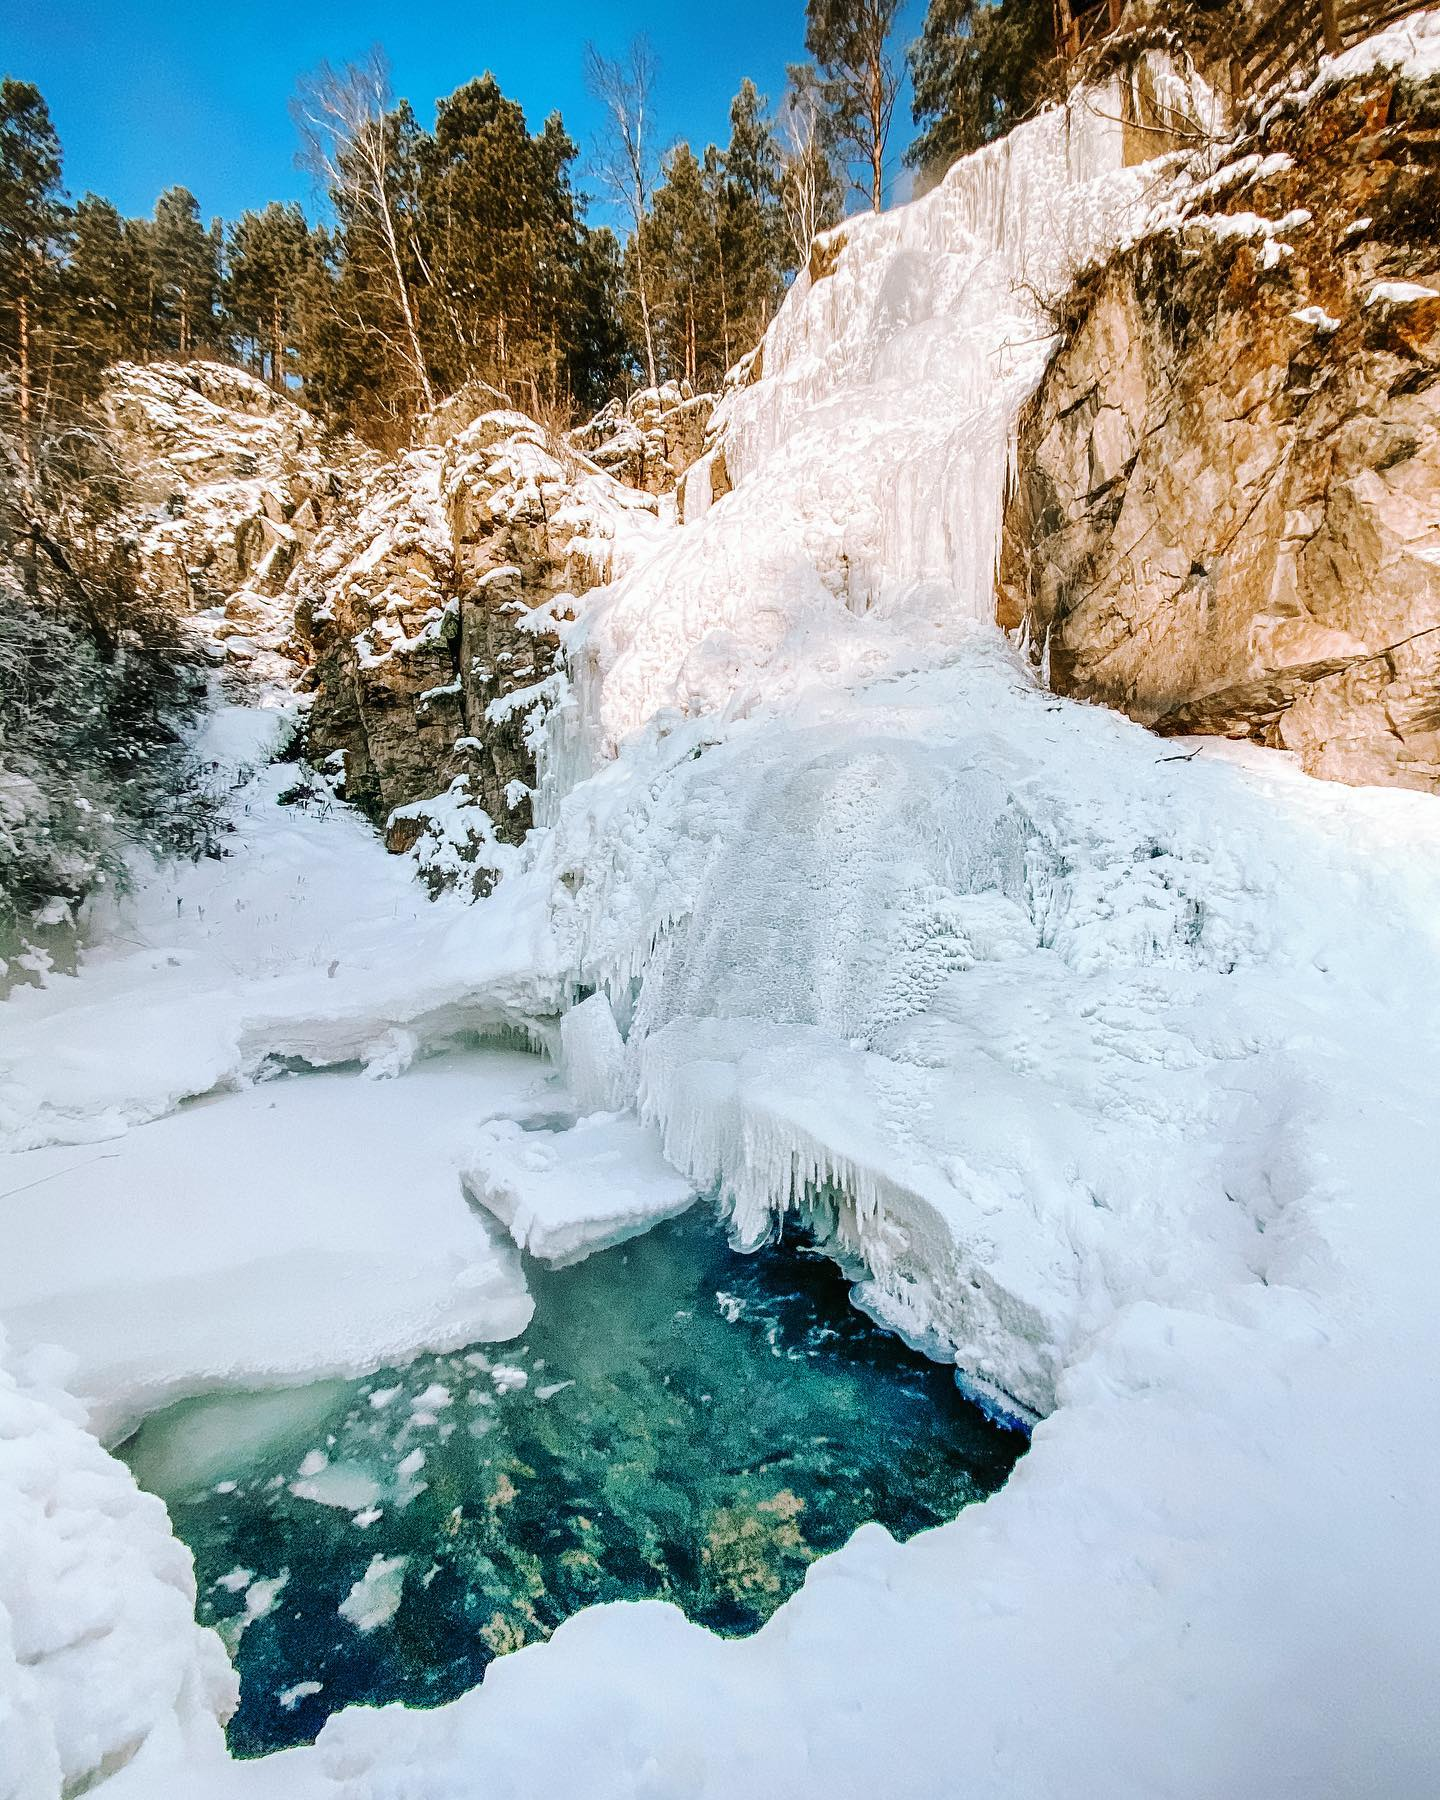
(300, 943)
(1121, 1063)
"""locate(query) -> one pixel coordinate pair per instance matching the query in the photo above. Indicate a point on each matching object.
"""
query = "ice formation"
(1110, 1061)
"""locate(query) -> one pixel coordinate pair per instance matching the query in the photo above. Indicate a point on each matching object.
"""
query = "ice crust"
(1110, 1059)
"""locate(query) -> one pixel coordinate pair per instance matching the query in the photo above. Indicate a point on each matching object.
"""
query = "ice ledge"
(783, 1120)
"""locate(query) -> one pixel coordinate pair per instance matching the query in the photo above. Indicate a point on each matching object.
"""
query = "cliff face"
(1227, 511)
(429, 616)
(651, 439)
(234, 483)
(419, 600)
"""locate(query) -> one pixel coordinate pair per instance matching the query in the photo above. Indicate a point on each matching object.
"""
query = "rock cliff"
(1226, 514)
(650, 440)
(429, 616)
(419, 599)
(232, 483)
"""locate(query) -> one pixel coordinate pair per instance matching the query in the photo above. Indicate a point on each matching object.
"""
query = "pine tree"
(498, 234)
(602, 355)
(34, 231)
(186, 260)
(978, 67)
(108, 282)
(750, 224)
(850, 40)
(679, 245)
(268, 257)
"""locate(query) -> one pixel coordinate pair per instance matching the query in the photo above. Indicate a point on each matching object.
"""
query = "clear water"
(680, 1422)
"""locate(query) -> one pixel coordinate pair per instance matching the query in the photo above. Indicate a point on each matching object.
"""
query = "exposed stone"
(1227, 512)
(462, 408)
(651, 439)
(429, 617)
(825, 253)
(235, 478)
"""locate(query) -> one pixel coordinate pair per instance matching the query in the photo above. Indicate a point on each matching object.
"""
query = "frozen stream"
(680, 1422)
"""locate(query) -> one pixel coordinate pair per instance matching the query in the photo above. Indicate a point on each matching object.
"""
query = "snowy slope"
(304, 942)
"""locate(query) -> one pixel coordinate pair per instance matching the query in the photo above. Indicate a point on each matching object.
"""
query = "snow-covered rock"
(431, 617)
(232, 479)
(1224, 518)
(651, 439)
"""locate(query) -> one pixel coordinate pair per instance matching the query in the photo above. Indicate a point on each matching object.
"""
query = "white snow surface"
(300, 944)
(564, 1191)
(307, 1226)
(100, 1656)
(1118, 1066)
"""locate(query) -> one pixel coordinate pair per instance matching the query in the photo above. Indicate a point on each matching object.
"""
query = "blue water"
(680, 1422)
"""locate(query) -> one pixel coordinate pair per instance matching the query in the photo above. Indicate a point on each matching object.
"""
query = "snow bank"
(101, 1661)
(303, 943)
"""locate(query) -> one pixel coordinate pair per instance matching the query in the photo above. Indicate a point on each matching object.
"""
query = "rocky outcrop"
(651, 439)
(430, 618)
(1226, 516)
(418, 599)
(232, 483)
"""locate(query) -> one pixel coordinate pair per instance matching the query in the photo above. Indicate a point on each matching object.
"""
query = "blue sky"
(157, 92)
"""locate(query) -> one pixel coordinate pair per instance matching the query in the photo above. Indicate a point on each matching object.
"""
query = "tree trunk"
(724, 301)
(877, 130)
(277, 346)
(640, 288)
(23, 375)
(402, 292)
(1067, 32)
(1330, 25)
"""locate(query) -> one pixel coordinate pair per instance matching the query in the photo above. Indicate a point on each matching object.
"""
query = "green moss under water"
(680, 1422)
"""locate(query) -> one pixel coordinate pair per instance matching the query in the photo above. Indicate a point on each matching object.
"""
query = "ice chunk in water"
(375, 1598)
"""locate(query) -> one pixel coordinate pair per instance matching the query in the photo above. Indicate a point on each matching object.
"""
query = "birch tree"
(812, 194)
(625, 160)
(355, 146)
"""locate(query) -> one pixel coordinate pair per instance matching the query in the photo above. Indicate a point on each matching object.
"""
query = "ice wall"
(836, 862)
(870, 454)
